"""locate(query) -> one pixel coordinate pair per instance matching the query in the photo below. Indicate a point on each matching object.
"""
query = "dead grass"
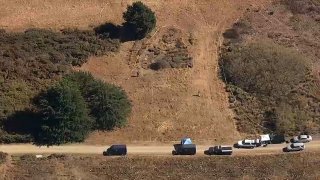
(284, 166)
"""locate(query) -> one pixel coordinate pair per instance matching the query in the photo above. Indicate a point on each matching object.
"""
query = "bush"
(15, 138)
(109, 105)
(15, 96)
(141, 18)
(64, 115)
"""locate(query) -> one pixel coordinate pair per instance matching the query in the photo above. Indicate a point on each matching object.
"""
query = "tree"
(108, 104)
(64, 115)
(141, 18)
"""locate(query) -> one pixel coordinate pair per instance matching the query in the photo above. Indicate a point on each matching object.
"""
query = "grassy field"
(284, 166)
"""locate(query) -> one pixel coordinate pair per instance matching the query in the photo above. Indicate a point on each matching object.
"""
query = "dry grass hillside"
(167, 104)
(286, 25)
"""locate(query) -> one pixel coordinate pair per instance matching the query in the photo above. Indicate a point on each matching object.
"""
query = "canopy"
(265, 137)
(186, 141)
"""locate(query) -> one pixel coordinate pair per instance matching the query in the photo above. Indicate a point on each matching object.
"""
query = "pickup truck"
(219, 150)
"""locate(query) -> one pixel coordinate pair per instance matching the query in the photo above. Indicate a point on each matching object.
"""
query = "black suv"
(116, 150)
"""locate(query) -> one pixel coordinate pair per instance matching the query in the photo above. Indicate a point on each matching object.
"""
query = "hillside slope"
(169, 103)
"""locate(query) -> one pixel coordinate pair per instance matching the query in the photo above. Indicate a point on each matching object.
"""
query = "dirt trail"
(140, 149)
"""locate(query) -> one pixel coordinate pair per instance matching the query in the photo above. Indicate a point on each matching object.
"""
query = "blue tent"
(186, 141)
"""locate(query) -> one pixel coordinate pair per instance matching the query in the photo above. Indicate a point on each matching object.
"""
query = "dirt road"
(140, 150)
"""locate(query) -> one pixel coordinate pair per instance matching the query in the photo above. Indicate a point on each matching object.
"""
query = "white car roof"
(249, 141)
(298, 144)
(303, 136)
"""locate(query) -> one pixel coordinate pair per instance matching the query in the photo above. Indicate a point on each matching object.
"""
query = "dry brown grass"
(285, 166)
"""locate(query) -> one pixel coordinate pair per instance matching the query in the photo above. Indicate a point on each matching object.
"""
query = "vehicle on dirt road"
(294, 147)
(219, 150)
(184, 148)
(301, 139)
(247, 143)
(116, 150)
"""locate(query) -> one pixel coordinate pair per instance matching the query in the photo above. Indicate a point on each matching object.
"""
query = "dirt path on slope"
(142, 150)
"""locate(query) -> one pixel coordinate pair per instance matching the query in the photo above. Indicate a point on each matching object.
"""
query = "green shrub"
(141, 18)
(15, 96)
(108, 104)
(64, 115)
(15, 138)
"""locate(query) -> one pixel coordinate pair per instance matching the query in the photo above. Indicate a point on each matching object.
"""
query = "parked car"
(116, 150)
(294, 147)
(219, 150)
(302, 139)
(247, 143)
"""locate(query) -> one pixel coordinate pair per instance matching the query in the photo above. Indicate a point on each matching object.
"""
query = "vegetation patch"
(271, 88)
(108, 104)
(30, 62)
(140, 18)
(171, 51)
(303, 6)
(64, 115)
(271, 69)
(68, 111)
(7, 138)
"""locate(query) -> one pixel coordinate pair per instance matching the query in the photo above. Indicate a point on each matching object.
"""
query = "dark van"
(116, 150)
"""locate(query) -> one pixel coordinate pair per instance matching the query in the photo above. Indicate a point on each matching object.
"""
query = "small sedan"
(302, 139)
(294, 147)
